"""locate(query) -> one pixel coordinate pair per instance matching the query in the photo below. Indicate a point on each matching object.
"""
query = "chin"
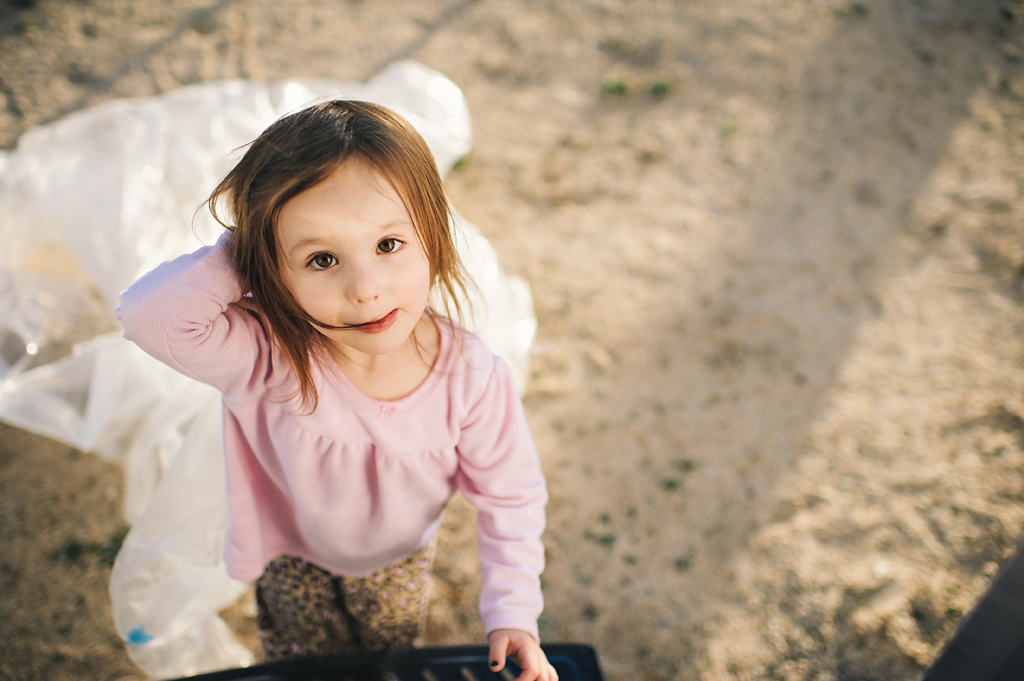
(383, 343)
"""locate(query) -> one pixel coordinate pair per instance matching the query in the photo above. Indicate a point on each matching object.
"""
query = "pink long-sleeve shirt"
(359, 483)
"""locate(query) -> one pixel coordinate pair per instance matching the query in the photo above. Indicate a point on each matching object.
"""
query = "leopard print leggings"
(303, 610)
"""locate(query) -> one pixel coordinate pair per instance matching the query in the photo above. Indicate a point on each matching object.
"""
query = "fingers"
(542, 671)
(526, 651)
(538, 670)
(534, 663)
(499, 648)
(548, 673)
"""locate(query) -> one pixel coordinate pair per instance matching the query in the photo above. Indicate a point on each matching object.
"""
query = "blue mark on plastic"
(138, 636)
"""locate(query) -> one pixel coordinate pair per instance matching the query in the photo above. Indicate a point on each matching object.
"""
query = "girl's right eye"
(321, 261)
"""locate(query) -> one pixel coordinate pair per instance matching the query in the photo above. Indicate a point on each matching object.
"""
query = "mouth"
(378, 325)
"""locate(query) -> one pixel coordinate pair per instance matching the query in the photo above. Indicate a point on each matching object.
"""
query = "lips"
(379, 325)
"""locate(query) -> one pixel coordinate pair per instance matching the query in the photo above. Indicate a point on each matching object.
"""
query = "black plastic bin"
(572, 661)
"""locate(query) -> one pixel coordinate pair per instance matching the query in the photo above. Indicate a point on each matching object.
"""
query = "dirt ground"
(775, 249)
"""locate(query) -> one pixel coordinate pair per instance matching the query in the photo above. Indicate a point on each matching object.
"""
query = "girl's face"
(350, 255)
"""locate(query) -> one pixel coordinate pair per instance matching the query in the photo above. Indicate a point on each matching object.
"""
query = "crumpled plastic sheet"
(97, 199)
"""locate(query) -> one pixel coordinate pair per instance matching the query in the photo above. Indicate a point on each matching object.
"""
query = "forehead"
(354, 195)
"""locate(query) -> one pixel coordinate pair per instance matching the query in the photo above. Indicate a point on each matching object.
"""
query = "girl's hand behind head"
(526, 651)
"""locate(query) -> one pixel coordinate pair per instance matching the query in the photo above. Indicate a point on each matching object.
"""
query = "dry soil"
(776, 253)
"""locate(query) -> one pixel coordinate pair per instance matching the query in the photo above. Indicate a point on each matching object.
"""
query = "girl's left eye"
(389, 245)
(321, 261)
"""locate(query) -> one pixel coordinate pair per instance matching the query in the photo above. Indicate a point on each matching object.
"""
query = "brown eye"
(321, 261)
(388, 245)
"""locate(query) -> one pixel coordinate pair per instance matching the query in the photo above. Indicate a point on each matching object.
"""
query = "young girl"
(352, 409)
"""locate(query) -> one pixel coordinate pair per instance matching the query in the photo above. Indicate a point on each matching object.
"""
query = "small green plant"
(109, 552)
(74, 551)
(613, 86)
(684, 465)
(602, 539)
(659, 88)
(71, 551)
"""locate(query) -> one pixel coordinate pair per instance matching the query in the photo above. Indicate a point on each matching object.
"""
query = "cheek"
(419, 279)
(316, 298)
(292, 285)
(309, 297)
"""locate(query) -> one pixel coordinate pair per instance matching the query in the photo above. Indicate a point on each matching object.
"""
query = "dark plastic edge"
(581, 657)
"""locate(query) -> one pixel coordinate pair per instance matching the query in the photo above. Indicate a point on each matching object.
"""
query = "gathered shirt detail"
(359, 483)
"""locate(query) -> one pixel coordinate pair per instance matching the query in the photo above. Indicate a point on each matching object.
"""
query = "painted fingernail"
(494, 663)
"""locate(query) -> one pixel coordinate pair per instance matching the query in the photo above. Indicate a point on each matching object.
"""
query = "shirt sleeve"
(190, 314)
(500, 475)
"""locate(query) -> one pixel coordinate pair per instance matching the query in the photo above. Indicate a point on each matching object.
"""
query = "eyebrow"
(303, 244)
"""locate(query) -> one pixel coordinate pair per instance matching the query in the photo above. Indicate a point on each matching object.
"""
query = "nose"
(362, 283)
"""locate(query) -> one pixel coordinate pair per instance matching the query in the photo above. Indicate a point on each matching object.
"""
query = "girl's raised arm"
(500, 475)
(190, 314)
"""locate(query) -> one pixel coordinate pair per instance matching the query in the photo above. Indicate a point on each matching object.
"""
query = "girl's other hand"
(526, 651)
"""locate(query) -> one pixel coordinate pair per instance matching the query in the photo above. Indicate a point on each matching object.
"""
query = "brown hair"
(295, 154)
